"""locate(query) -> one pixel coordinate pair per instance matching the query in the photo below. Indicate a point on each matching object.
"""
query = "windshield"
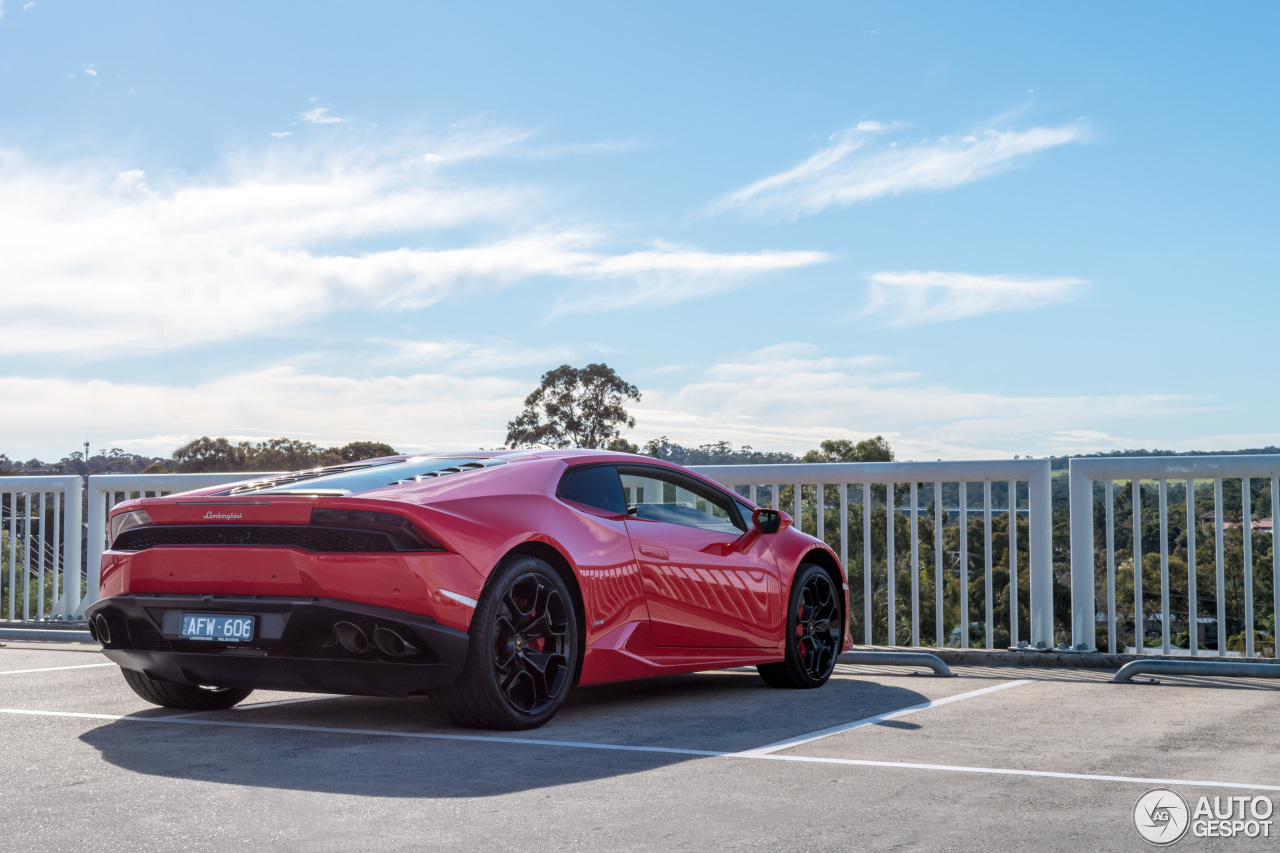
(349, 479)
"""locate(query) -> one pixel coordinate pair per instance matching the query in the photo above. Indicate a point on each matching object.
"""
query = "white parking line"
(701, 753)
(53, 668)
(1006, 771)
(767, 749)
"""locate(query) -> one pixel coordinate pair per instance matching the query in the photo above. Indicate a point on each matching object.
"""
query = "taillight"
(129, 520)
(399, 527)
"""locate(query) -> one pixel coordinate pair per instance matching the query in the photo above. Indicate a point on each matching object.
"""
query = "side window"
(596, 486)
(673, 499)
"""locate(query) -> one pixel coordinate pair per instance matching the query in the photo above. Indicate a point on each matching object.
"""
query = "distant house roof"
(1261, 525)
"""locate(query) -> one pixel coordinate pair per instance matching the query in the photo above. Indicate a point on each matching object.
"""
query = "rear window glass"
(362, 479)
(597, 486)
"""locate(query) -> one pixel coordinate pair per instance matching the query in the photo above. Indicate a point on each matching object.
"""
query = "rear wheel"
(523, 650)
(814, 630)
(188, 697)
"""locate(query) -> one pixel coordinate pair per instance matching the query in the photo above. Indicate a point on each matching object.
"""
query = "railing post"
(1040, 503)
(72, 519)
(96, 531)
(1083, 619)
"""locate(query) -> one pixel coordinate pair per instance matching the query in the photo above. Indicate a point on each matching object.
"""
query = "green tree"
(356, 451)
(843, 450)
(288, 454)
(574, 407)
(713, 453)
(213, 455)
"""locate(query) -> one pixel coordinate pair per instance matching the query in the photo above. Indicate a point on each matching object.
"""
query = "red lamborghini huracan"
(494, 581)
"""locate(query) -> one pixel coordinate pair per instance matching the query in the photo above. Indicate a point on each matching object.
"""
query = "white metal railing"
(1185, 470)
(40, 520)
(842, 476)
(107, 490)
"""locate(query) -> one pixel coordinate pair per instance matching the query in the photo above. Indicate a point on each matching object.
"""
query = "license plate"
(219, 627)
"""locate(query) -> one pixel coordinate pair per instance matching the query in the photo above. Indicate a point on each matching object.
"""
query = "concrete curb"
(1052, 658)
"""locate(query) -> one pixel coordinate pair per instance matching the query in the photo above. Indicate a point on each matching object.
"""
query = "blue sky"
(980, 230)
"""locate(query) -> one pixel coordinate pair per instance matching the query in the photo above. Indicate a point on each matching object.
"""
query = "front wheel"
(523, 650)
(187, 697)
(815, 623)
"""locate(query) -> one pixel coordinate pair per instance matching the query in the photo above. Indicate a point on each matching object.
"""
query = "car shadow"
(408, 748)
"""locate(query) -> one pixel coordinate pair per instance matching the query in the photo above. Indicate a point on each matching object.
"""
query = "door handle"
(651, 551)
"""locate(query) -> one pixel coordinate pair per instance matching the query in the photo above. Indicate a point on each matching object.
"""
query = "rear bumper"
(294, 647)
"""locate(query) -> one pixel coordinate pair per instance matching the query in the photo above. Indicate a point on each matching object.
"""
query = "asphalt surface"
(1003, 759)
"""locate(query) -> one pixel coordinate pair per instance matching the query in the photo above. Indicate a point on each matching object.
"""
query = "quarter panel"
(596, 546)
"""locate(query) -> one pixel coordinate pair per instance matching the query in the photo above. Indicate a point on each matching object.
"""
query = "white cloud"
(465, 357)
(108, 261)
(419, 412)
(784, 397)
(791, 396)
(853, 169)
(668, 274)
(911, 298)
(320, 115)
(282, 134)
(129, 180)
(26, 7)
(91, 70)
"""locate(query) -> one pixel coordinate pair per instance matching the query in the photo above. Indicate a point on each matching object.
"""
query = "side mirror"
(770, 520)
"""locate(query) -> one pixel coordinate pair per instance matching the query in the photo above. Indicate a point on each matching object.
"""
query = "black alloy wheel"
(523, 650)
(529, 633)
(815, 621)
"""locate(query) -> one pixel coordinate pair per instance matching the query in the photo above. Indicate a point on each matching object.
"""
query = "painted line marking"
(1005, 771)
(768, 749)
(53, 668)
(702, 753)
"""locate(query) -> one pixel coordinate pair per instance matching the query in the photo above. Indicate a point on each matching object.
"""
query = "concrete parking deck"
(993, 759)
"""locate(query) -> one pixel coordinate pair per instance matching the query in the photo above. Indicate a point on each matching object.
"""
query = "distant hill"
(1059, 463)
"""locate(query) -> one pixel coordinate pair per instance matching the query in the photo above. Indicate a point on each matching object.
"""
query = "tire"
(815, 628)
(523, 650)
(188, 697)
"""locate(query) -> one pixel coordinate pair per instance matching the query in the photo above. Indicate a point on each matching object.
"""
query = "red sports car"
(495, 581)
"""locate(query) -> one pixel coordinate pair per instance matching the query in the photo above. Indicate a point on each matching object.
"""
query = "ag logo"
(1161, 816)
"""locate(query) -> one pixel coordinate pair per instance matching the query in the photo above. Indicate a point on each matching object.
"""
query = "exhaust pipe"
(351, 637)
(391, 643)
(93, 630)
(104, 629)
